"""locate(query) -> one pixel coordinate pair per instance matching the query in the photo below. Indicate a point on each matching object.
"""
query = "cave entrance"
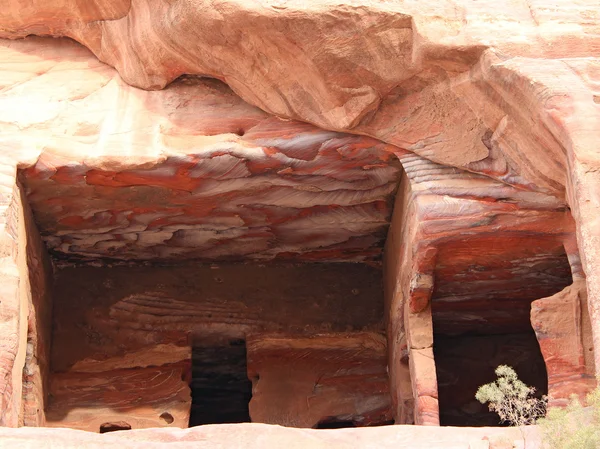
(481, 319)
(278, 235)
(220, 386)
(465, 362)
(184, 345)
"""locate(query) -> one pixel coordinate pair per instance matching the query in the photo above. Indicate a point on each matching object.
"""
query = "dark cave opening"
(335, 424)
(220, 386)
(481, 316)
(467, 361)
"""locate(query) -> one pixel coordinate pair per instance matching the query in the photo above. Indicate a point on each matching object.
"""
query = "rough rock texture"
(259, 436)
(388, 60)
(206, 175)
(108, 318)
(37, 293)
(25, 317)
(136, 398)
(320, 380)
(464, 242)
(563, 329)
(493, 111)
(117, 328)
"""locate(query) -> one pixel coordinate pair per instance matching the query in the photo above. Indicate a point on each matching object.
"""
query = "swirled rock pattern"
(206, 176)
(489, 114)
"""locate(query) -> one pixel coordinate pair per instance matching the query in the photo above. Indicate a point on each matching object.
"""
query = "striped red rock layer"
(115, 326)
(107, 318)
(469, 256)
(492, 248)
(154, 396)
(191, 172)
(437, 79)
(416, 75)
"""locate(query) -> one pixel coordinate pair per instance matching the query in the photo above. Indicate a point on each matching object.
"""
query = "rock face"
(118, 328)
(116, 395)
(323, 381)
(449, 146)
(207, 176)
(562, 325)
(260, 435)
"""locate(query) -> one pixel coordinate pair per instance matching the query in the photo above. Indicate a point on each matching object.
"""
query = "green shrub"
(573, 427)
(511, 399)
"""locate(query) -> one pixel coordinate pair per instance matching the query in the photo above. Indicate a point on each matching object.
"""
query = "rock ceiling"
(191, 171)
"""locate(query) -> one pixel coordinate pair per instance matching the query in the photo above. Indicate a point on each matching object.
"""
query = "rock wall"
(163, 305)
(494, 121)
(206, 175)
(463, 242)
(132, 398)
(15, 307)
(427, 63)
(563, 329)
(124, 338)
(319, 380)
(25, 311)
(35, 276)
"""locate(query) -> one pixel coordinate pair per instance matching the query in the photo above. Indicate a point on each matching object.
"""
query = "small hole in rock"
(167, 417)
(240, 132)
(114, 426)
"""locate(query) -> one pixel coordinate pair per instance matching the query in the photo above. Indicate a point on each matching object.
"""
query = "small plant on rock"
(511, 399)
(573, 427)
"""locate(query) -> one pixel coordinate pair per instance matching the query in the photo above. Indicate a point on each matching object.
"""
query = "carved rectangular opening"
(161, 261)
(146, 332)
(156, 345)
(481, 318)
(221, 390)
(227, 223)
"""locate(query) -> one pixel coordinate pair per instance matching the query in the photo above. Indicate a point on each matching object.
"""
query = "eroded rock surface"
(105, 316)
(562, 325)
(205, 176)
(130, 398)
(118, 328)
(319, 381)
(494, 118)
(258, 436)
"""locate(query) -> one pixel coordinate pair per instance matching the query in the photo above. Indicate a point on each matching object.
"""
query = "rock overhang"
(494, 122)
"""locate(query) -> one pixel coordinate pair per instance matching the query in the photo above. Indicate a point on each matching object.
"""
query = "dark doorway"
(465, 362)
(337, 423)
(220, 386)
(480, 306)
